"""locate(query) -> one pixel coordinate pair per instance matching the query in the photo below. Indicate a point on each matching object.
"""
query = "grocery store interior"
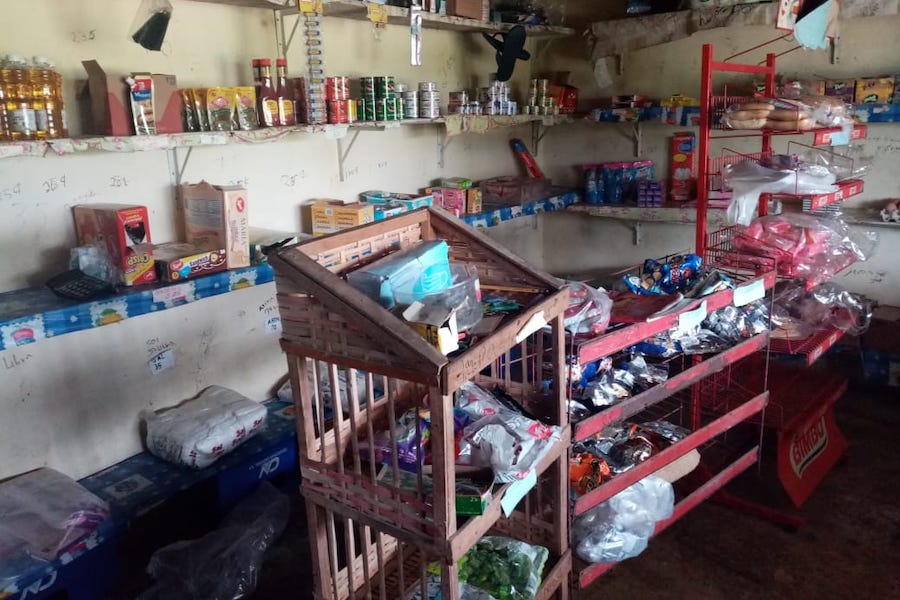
(459, 299)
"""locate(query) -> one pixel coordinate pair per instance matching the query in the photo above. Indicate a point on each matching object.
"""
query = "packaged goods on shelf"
(615, 182)
(155, 104)
(178, 261)
(844, 89)
(123, 231)
(874, 90)
(216, 217)
(800, 313)
(683, 169)
(406, 276)
(107, 96)
(501, 192)
(678, 274)
(199, 431)
(589, 310)
(45, 513)
(329, 216)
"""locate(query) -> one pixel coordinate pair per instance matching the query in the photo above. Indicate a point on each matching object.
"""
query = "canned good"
(352, 111)
(337, 111)
(384, 86)
(429, 111)
(401, 88)
(380, 113)
(427, 86)
(398, 108)
(429, 96)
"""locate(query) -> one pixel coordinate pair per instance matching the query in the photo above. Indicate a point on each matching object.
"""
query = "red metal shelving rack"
(799, 407)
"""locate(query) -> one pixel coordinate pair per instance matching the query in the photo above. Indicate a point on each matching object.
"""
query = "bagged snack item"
(589, 310)
(198, 96)
(42, 514)
(220, 108)
(676, 275)
(505, 568)
(800, 314)
(751, 114)
(245, 104)
(189, 115)
(198, 432)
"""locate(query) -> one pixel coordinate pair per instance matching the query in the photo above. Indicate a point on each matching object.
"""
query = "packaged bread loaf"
(750, 114)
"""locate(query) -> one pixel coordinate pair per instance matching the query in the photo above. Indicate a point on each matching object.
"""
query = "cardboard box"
(683, 169)
(124, 231)
(450, 199)
(874, 90)
(456, 183)
(473, 201)
(329, 216)
(178, 261)
(216, 217)
(896, 98)
(167, 106)
(386, 211)
(107, 95)
(435, 323)
(840, 88)
(469, 9)
(473, 497)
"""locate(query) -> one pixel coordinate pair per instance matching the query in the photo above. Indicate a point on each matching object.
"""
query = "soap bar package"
(407, 276)
(123, 232)
(215, 217)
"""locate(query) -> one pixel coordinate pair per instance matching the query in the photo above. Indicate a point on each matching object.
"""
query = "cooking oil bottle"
(46, 100)
(4, 122)
(18, 98)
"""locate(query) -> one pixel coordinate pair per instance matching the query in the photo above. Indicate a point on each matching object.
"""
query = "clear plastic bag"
(620, 527)
(225, 563)
(806, 245)
(43, 513)
(198, 432)
(504, 568)
(800, 314)
(151, 23)
(589, 310)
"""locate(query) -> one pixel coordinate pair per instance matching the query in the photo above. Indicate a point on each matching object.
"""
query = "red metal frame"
(635, 404)
(812, 347)
(591, 573)
(848, 189)
(700, 436)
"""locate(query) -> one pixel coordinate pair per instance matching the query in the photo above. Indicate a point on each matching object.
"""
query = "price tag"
(168, 295)
(692, 318)
(163, 361)
(751, 292)
(840, 138)
(535, 323)
(273, 325)
(516, 491)
(336, 132)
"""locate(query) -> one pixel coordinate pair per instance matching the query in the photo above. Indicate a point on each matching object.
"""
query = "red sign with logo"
(808, 451)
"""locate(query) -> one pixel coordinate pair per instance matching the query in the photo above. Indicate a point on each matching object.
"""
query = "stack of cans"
(539, 101)
(429, 100)
(459, 103)
(337, 98)
(495, 100)
(313, 102)
(379, 100)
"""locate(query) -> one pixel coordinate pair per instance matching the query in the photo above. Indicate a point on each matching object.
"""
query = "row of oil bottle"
(31, 102)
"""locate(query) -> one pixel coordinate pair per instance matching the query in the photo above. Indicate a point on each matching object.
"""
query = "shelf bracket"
(637, 134)
(443, 140)
(344, 153)
(282, 38)
(176, 170)
(638, 233)
(538, 131)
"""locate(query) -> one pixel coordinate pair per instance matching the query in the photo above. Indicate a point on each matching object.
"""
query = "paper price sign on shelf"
(745, 294)
(310, 7)
(378, 14)
(163, 361)
(692, 318)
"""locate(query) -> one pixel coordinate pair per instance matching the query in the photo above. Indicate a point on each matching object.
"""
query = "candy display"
(676, 275)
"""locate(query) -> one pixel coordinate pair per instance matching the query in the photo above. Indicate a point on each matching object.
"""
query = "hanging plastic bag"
(589, 310)
(151, 23)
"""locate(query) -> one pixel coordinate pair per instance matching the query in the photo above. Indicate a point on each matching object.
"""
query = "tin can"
(429, 111)
(380, 113)
(384, 86)
(398, 108)
(367, 85)
(427, 86)
(401, 88)
(337, 111)
(352, 111)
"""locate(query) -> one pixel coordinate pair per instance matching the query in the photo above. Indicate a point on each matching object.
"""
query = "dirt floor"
(847, 547)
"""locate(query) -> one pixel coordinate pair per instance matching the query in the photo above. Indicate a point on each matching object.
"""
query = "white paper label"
(751, 292)
(168, 295)
(516, 491)
(162, 361)
(692, 318)
(22, 120)
(273, 325)
(535, 323)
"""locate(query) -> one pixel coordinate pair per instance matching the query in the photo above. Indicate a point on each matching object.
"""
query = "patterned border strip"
(495, 217)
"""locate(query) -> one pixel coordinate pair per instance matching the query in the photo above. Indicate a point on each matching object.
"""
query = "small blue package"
(406, 276)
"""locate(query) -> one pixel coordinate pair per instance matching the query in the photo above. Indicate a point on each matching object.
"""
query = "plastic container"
(47, 99)
(464, 294)
(20, 114)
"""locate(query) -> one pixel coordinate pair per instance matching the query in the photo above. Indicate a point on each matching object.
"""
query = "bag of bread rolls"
(750, 114)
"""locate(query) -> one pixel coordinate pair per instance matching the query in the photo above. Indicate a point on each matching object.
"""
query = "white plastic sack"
(198, 432)
(285, 391)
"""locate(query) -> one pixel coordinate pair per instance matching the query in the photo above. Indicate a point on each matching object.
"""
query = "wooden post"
(443, 453)
(560, 469)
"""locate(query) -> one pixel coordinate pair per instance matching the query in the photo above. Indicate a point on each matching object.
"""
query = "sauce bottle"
(18, 98)
(266, 99)
(285, 94)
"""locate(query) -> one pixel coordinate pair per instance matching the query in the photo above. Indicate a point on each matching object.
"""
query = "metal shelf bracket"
(344, 153)
(538, 131)
(443, 140)
(176, 170)
(282, 38)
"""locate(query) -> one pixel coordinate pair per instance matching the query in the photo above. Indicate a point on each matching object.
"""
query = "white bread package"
(199, 431)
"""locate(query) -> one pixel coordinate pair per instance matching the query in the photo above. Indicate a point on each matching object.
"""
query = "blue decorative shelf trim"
(495, 217)
(30, 315)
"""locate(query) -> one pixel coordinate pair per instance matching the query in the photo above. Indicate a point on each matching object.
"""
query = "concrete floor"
(847, 547)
